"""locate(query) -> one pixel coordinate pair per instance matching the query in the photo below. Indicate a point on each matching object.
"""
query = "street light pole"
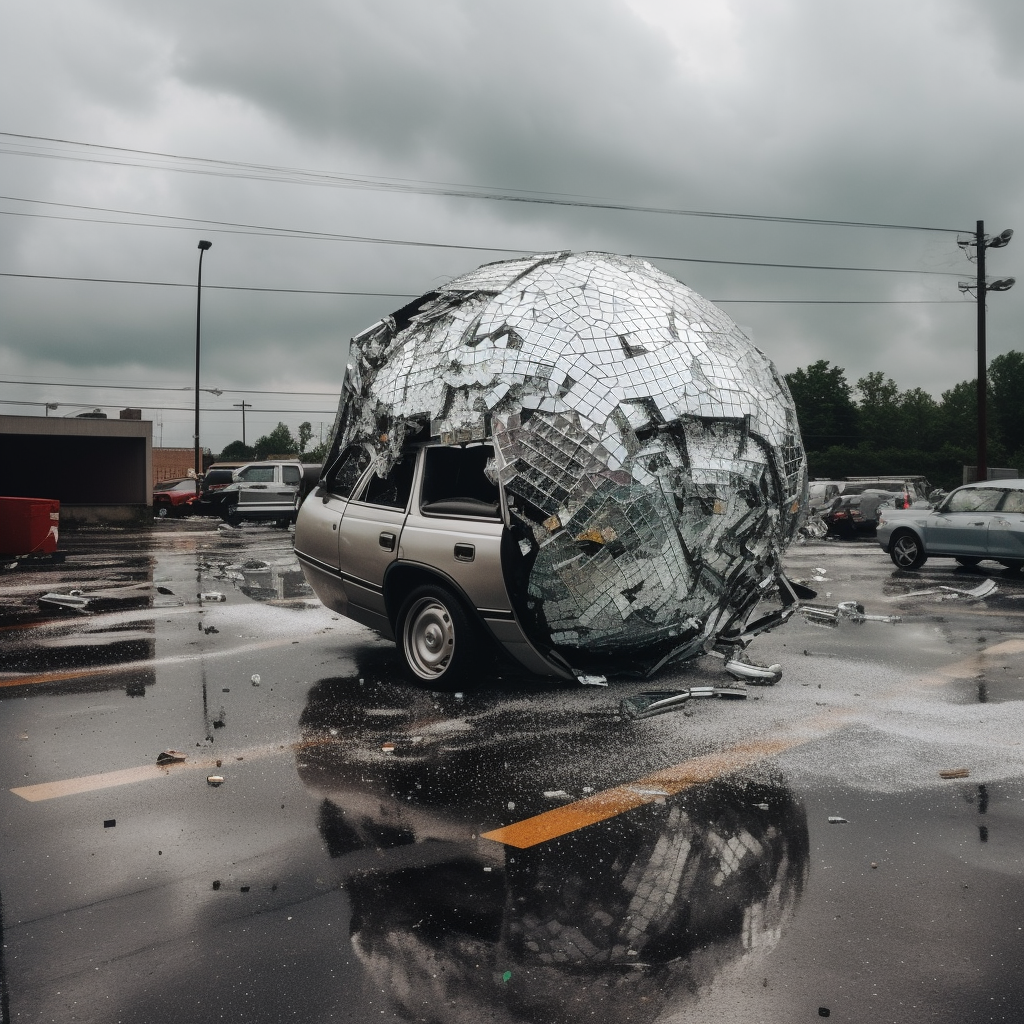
(982, 459)
(203, 246)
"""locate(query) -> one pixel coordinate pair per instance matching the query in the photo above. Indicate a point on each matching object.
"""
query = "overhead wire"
(295, 175)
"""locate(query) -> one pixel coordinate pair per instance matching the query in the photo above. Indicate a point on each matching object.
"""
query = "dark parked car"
(856, 509)
(261, 491)
(175, 498)
(976, 521)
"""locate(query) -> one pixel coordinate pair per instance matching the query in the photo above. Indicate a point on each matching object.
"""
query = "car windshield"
(973, 499)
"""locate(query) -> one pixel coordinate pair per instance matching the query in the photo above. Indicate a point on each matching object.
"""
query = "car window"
(392, 491)
(291, 474)
(974, 499)
(257, 474)
(456, 481)
(1013, 502)
(343, 476)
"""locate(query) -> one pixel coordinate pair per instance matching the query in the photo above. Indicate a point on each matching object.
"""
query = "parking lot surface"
(522, 851)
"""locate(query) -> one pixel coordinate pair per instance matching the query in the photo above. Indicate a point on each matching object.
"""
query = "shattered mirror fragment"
(648, 452)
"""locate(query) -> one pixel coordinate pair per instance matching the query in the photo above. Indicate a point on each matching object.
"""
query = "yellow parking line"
(667, 782)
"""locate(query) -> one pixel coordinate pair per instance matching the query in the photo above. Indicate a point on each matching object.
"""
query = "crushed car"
(572, 456)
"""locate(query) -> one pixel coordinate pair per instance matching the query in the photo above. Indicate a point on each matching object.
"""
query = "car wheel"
(436, 639)
(966, 562)
(906, 551)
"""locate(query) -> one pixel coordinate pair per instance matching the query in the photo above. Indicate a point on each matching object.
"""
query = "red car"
(174, 497)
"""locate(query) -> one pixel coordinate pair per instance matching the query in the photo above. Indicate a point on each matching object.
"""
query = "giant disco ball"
(650, 452)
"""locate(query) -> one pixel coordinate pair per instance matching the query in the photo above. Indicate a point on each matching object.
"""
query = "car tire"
(437, 640)
(968, 562)
(906, 551)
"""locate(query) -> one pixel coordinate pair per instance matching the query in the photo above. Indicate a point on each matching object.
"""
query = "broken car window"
(257, 474)
(1013, 502)
(974, 499)
(393, 490)
(455, 482)
(346, 473)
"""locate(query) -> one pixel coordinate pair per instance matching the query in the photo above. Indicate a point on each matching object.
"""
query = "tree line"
(279, 443)
(872, 427)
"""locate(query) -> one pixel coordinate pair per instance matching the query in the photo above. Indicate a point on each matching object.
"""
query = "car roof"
(1014, 484)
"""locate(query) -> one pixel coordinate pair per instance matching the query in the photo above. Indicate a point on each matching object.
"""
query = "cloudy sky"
(305, 139)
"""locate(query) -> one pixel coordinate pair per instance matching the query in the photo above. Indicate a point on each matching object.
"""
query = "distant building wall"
(172, 463)
(81, 462)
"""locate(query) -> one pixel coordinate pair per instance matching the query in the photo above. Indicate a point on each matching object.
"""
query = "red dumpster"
(28, 525)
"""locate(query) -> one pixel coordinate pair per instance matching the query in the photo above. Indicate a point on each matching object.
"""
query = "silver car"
(424, 555)
(976, 521)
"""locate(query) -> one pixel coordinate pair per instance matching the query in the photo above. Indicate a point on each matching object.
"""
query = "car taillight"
(839, 515)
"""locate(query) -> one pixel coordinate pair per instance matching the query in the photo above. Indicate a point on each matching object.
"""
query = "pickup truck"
(267, 491)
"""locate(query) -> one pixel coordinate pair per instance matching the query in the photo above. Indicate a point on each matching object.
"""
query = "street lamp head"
(204, 245)
(1004, 284)
(1003, 238)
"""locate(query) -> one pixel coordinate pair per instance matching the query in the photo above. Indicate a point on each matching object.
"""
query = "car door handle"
(387, 541)
(465, 552)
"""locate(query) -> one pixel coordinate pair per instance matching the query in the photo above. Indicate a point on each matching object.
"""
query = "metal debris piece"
(834, 819)
(649, 452)
(215, 780)
(211, 596)
(585, 680)
(749, 672)
(255, 679)
(820, 616)
(954, 773)
(170, 757)
(557, 794)
(658, 702)
(110, 823)
(984, 589)
(388, 748)
(73, 600)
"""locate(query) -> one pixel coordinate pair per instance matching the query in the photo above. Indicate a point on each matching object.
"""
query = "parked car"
(261, 491)
(175, 497)
(422, 556)
(974, 522)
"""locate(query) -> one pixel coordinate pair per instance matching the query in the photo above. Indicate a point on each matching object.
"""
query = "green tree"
(1006, 400)
(824, 406)
(305, 434)
(278, 442)
(918, 422)
(236, 452)
(958, 415)
(879, 408)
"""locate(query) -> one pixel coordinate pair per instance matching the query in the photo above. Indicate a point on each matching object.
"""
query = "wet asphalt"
(351, 865)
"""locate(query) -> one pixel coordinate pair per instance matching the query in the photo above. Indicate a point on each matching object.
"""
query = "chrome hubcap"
(906, 551)
(429, 639)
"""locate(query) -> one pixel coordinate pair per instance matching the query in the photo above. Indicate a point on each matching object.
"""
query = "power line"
(174, 408)
(412, 295)
(295, 175)
(154, 387)
(270, 231)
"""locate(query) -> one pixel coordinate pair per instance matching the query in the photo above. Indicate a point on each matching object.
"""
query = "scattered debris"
(873, 864)
(170, 757)
(984, 589)
(110, 823)
(814, 528)
(763, 807)
(657, 702)
(211, 596)
(834, 819)
(824, 1011)
(211, 629)
(255, 679)
(215, 780)
(216, 884)
(954, 773)
(388, 748)
(557, 794)
(73, 600)
(585, 680)
(750, 672)
(506, 977)
(243, 888)
(851, 610)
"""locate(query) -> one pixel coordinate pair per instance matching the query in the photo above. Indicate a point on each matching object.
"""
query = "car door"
(368, 539)
(959, 526)
(316, 530)
(1006, 530)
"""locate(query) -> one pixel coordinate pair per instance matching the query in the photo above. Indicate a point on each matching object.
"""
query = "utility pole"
(982, 286)
(243, 405)
(203, 246)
